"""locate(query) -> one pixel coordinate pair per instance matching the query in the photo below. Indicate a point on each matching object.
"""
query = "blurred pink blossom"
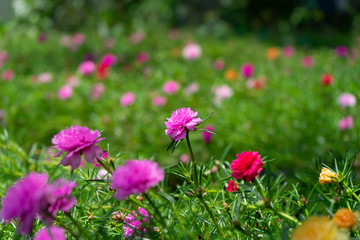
(247, 70)
(341, 51)
(127, 99)
(307, 61)
(347, 100)
(109, 42)
(159, 101)
(346, 123)
(137, 37)
(191, 51)
(206, 135)
(65, 92)
(65, 41)
(97, 90)
(192, 88)
(108, 60)
(142, 57)
(184, 158)
(288, 51)
(42, 37)
(72, 81)
(222, 92)
(219, 64)
(44, 77)
(87, 67)
(170, 87)
(3, 57)
(257, 83)
(78, 39)
(7, 75)
(51, 233)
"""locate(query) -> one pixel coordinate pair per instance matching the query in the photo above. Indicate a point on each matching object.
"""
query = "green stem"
(352, 192)
(104, 165)
(156, 210)
(212, 216)
(82, 231)
(189, 146)
(287, 216)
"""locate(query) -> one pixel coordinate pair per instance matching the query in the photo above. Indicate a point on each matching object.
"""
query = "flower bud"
(118, 216)
(327, 176)
(140, 198)
(226, 206)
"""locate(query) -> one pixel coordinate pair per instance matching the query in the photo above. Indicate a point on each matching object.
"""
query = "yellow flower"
(344, 218)
(231, 74)
(318, 228)
(327, 176)
(272, 53)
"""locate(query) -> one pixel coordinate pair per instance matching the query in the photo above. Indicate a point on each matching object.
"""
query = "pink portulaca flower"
(87, 67)
(347, 100)
(127, 99)
(78, 39)
(136, 176)
(137, 37)
(51, 233)
(158, 101)
(184, 158)
(232, 186)
(65, 92)
(97, 90)
(7, 75)
(246, 166)
(181, 121)
(75, 141)
(219, 64)
(191, 51)
(133, 225)
(346, 123)
(108, 60)
(341, 51)
(44, 77)
(247, 70)
(170, 87)
(4, 56)
(206, 135)
(307, 61)
(288, 51)
(142, 57)
(222, 92)
(192, 88)
(32, 196)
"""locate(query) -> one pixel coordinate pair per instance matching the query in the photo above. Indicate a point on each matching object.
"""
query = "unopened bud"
(118, 216)
(226, 206)
(140, 198)
(303, 200)
(207, 173)
(214, 169)
(201, 190)
(90, 216)
(217, 162)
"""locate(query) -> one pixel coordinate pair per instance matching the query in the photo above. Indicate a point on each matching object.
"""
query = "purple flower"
(78, 140)
(108, 60)
(32, 196)
(142, 57)
(136, 176)
(52, 233)
(181, 120)
(341, 51)
(247, 70)
(347, 100)
(133, 225)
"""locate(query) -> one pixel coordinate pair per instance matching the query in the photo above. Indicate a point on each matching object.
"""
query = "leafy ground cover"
(284, 102)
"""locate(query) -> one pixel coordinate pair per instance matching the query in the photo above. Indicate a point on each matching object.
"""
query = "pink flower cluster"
(181, 121)
(77, 141)
(246, 166)
(136, 176)
(51, 233)
(32, 196)
(347, 100)
(191, 51)
(133, 224)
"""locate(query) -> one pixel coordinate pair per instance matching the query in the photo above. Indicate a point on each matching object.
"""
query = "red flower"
(232, 186)
(327, 79)
(247, 166)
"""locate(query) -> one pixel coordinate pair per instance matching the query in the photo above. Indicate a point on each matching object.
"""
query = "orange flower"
(327, 176)
(230, 74)
(344, 218)
(318, 228)
(272, 53)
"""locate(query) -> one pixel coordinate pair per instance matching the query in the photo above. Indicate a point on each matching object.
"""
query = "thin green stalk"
(287, 216)
(193, 161)
(156, 210)
(189, 146)
(352, 192)
(212, 216)
(82, 231)
(104, 165)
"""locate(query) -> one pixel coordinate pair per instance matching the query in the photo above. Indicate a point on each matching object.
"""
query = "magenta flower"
(52, 233)
(181, 121)
(341, 51)
(247, 70)
(307, 61)
(32, 196)
(158, 101)
(191, 51)
(127, 99)
(206, 135)
(65, 92)
(288, 51)
(246, 166)
(347, 100)
(97, 90)
(76, 141)
(87, 67)
(7, 75)
(346, 123)
(170, 87)
(142, 57)
(136, 176)
(108, 60)
(133, 226)
(232, 186)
